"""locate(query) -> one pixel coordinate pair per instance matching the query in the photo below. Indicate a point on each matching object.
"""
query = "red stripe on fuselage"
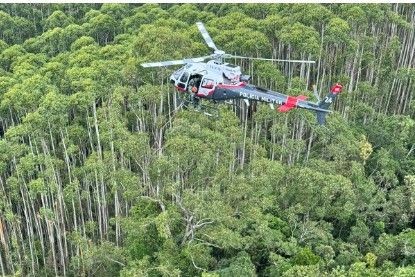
(180, 89)
(291, 101)
(284, 108)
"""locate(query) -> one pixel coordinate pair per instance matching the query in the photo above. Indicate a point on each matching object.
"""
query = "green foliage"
(305, 257)
(57, 19)
(241, 265)
(337, 31)
(300, 37)
(102, 174)
(82, 42)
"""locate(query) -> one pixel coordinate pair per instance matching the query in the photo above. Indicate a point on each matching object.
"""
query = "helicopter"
(219, 81)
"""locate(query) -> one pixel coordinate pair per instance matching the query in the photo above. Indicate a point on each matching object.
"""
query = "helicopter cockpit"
(180, 77)
(189, 75)
(175, 76)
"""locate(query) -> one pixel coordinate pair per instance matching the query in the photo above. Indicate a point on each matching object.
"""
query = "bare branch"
(193, 262)
(115, 261)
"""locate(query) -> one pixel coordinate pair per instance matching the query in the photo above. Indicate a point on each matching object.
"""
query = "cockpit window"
(184, 77)
(177, 74)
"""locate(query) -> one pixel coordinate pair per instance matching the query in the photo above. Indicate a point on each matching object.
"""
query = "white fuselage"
(211, 72)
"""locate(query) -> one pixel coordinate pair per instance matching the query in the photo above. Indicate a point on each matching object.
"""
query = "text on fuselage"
(259, 98)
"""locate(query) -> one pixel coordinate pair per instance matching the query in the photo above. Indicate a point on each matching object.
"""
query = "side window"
(208, 83)
(184, 77)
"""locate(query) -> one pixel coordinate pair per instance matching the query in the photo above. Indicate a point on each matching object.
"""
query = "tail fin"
(321, 117)
(326, 102)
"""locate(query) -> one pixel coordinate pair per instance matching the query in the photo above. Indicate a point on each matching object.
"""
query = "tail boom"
(326, 103)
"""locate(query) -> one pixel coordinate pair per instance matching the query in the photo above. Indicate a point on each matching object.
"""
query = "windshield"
(177, 74)
(184, 77)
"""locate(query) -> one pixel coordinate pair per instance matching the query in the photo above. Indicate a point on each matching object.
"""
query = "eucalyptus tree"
(101, 175)
(57, 19)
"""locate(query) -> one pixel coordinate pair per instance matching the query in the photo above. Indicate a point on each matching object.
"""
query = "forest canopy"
(101, 173)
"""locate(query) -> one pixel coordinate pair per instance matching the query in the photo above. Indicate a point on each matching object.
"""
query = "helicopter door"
(183, 80)
(206, 86)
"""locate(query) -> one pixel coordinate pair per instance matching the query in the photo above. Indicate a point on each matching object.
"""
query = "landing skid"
(193, 103)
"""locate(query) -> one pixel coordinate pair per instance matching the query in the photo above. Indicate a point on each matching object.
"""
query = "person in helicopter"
(194, 84)
(193, 87)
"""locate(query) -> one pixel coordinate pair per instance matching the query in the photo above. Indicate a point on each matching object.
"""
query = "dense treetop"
(101, 174)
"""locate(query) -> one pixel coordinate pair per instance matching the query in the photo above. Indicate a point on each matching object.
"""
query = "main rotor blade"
(174, 62)
(206, 35)
(276, 60)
